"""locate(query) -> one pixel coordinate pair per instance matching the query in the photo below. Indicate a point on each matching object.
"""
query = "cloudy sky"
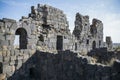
(106, 10)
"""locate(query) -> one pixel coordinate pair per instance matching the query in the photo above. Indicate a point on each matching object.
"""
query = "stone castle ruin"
(47, 27)
(46, 30)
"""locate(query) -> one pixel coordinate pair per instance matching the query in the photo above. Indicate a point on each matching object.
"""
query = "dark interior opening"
(41, 38)
(94, 45)
(75, 46)
(87, 42)
(1, 68)
(22, 38)
(59, 42)
(31, 73)
(46, 26)
(99, 43)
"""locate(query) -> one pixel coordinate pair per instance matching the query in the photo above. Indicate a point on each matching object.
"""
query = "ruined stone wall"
(12, 56)
(88, 36)
(109, 43)
(35, 32)
(51, 22)
(97, 32)
(10, 29)
(13, 60)
(65, 65)
(49, 15)
(81, 32)
(41, 36)
(6, 37)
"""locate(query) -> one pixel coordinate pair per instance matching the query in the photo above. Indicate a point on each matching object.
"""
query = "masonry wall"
(65, 65)
(88, 36)
(43, 38)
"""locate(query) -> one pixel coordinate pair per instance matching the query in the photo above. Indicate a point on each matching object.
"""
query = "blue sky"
(106, 10)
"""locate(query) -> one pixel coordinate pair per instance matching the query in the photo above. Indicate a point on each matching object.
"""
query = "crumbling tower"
(109, 43)
(89, 36)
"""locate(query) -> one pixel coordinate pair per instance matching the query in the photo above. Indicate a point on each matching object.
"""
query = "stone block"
(32, 52)
(12, 68)
(6, 59)
(32, 37)
(16, 52)
(26, 51)
(12, 52)
(9, 37)
(31, 46)
(21, 51)
(10, 47)
(12, 58)
(8, 53)
(1, 53)
(6, 68)
(4, 47)
(4, 53)
(12, 31)
(20, 57)
(32, 41)
(24, 60)
(19, 64)
(26, 56)
(2, 37)
(12, 63)
(4, 43)
(9, 74)
(1, 58)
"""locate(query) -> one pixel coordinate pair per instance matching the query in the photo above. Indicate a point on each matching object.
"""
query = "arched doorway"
(93, 45)
(21, 38)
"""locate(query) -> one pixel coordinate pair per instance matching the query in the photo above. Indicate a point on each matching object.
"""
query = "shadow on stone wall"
(103, 56)
(65, 65)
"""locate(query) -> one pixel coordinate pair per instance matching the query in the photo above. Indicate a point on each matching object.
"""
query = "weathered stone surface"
(109, 43)
(88, 36)
(12, 58)
(1, 58)
(46, 29)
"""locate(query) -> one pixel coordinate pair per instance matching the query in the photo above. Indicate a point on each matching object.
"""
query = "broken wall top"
(49, 15)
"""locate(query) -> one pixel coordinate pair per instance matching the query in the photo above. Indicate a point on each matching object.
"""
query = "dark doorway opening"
(41, 38)
(22, 39)
(75, 46)
(87, 42)
(94, 45)
(99, 43)
(59, 42)
(1, 68)
(32, 73)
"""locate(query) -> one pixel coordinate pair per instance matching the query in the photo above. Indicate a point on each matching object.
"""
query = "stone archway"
(21, 36)
(93, 45)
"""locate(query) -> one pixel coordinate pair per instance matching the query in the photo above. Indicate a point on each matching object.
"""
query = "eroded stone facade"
(88, 36)
(46, 29)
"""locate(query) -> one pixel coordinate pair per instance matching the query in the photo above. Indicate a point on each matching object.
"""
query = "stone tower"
(109, 43)
(89, 36)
